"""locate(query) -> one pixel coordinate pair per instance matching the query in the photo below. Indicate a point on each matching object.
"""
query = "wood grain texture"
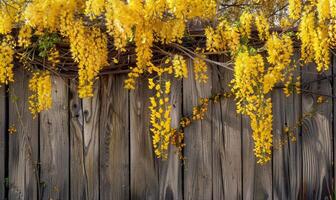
(77, 180)
(170, 170)
(101, 148)
(114, 139)
(3, 141)
(84, 144)
(294, 113)
(23, 145)
(198, 140)
(226, 147)
(144, 169)
(287, 157)
(54, 144)
(334, 117)
(317, 155)
(257, 179)
(281, 181)
(91, 115)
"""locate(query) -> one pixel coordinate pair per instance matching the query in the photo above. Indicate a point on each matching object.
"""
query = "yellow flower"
(40, 86)
(54, 57)
(94, 8)
(226, 37)
(306, 34)
(246, 24)
(323, 9)
(322, 54)
(249, 75)
(25, 35)
(12, 130)
(167, 87)
(262, 26)
(6, 60)
(89, 49)
(160, 118)
(180, 67)
(200, 70)
(294, 9)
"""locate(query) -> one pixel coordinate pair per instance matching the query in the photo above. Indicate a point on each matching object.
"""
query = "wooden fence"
(100, 148)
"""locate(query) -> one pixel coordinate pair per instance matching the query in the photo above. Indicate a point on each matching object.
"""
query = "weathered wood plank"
(257, 179)
(316, 136)
(54, 144)
(84, 145)
(287, 156)
(281, 181)
(170, 170)
(3, 141)
(144, 169)
(198, 140)
(226, 147)
(77, 180)
(23, 145)
(91, 112)
(281, 178)
(114, 139)
(334, 117)
(294, 111)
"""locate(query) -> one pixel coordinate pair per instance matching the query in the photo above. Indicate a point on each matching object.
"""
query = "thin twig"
(189, 53)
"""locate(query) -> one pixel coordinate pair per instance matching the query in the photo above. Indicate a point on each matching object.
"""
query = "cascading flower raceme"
(248, 87)
(89, 49)
(225, 37)
(160, 116)
(6, 60)
(180, 67)
(41, 97)
(294, 9)
(246, 20)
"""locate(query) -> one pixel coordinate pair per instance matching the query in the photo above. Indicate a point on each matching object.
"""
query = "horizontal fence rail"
(100, 148)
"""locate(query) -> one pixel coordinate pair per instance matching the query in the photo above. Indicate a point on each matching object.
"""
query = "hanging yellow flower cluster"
(246, 20)
(88, 44)
(263, 26)
(251, 100)
(160, 116)
(280, 52)
(323, 9)
(132, 76)
(40, 86)
(179, 67)
(24, 37)
(306, 34)
(200, 69)
(6, 22)
(322, 54)
(316, 32)
(294, 9)
(94, 8)
(252, 82)
(6, 60)
(225, 37)
(54, 57)
(48, 15)
(331, 32)
(292, 87)
(163, 133)
(89, 49)
(9, 15)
